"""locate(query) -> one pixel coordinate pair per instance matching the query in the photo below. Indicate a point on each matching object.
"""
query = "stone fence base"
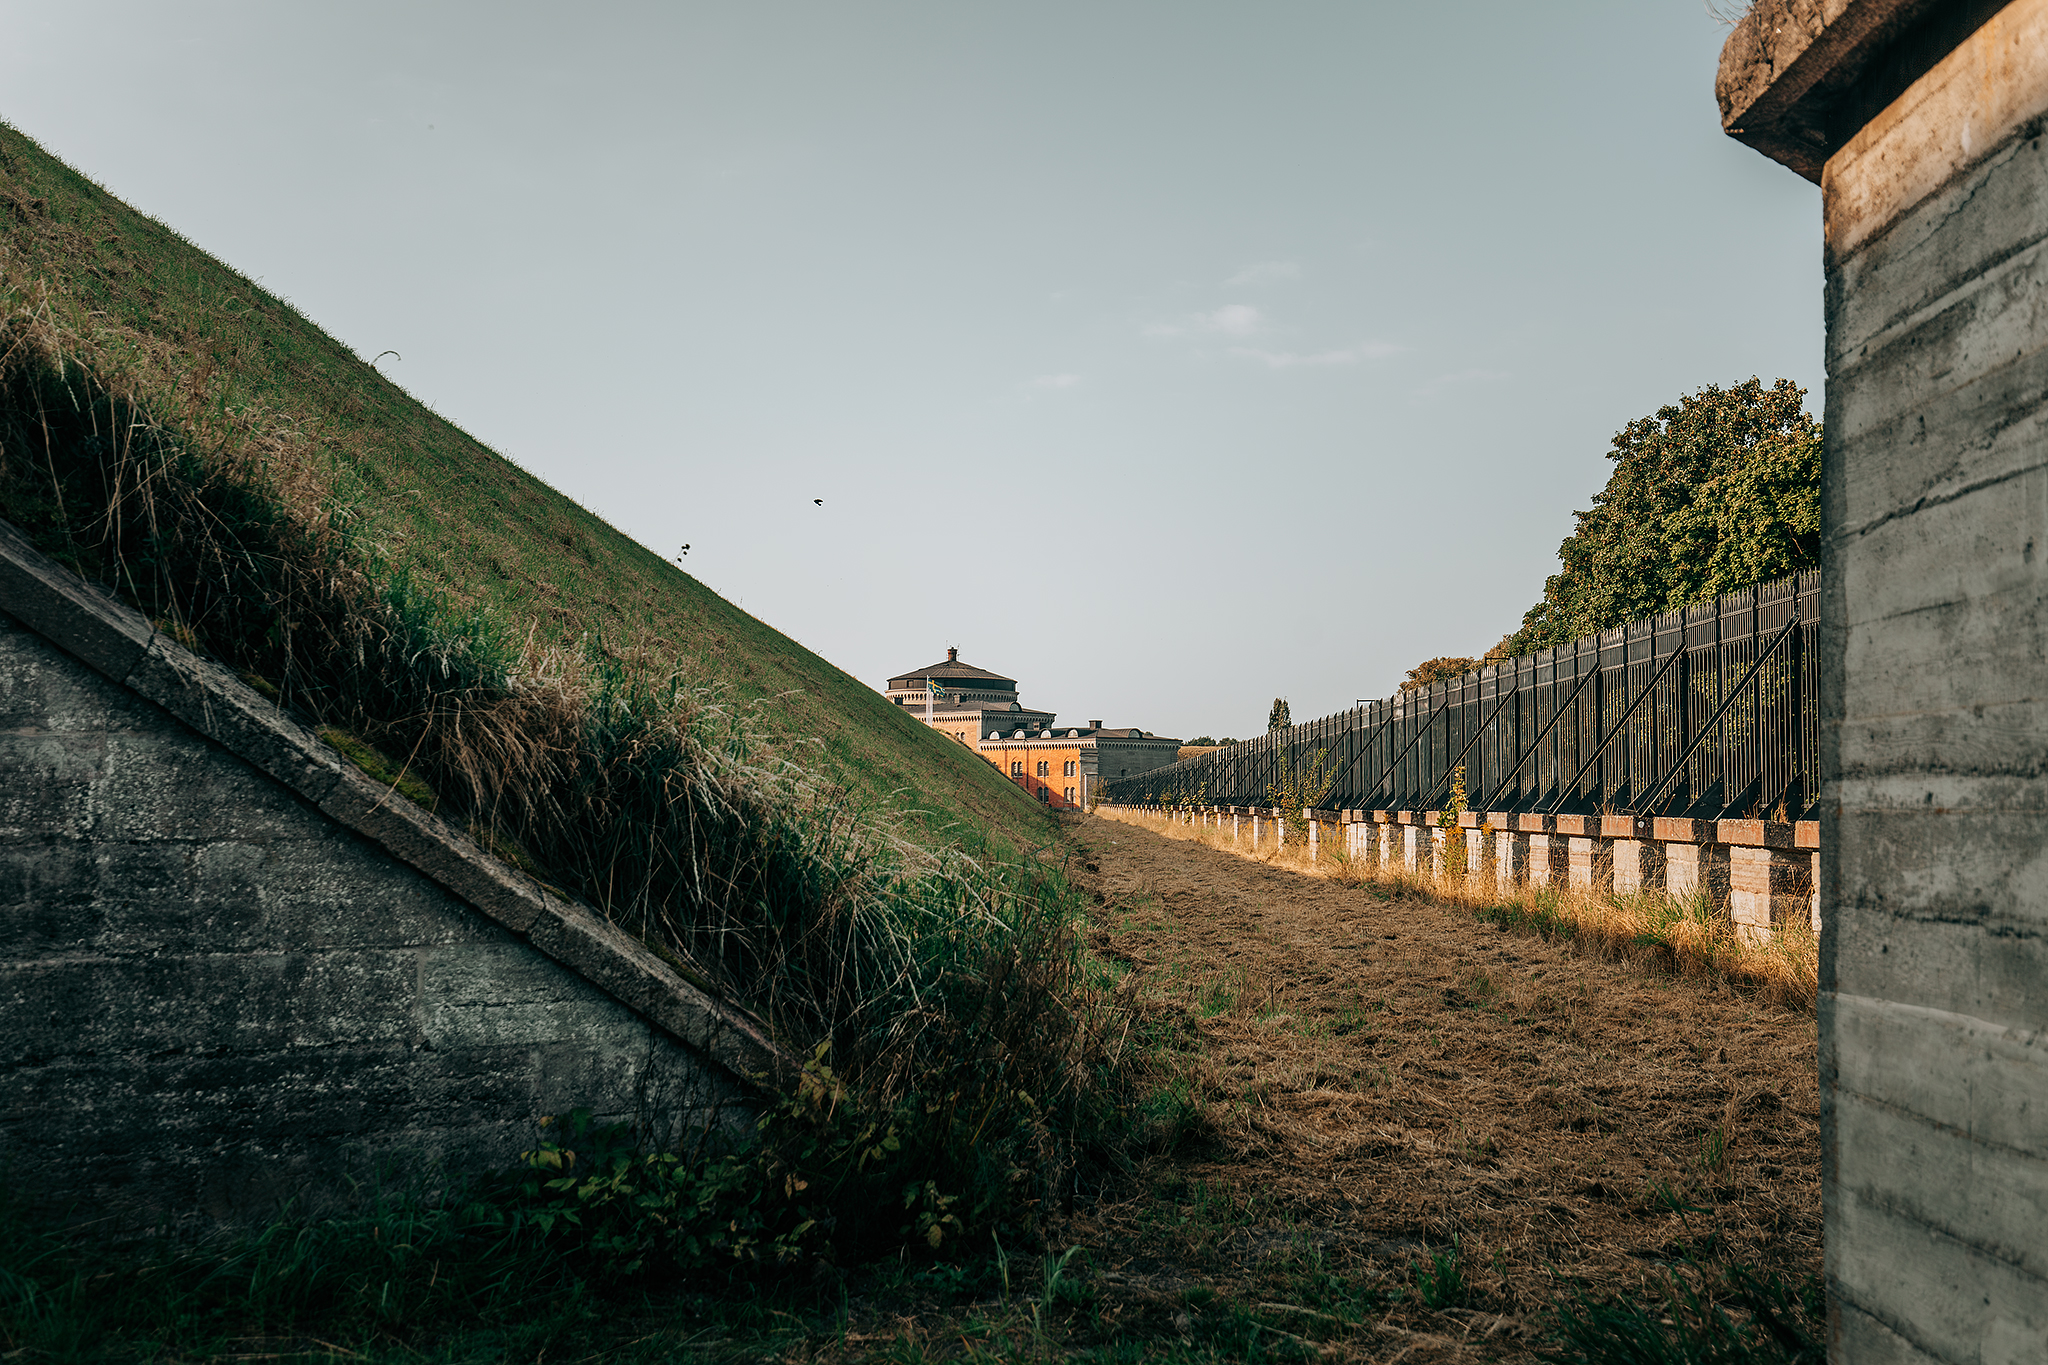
(1759, 874)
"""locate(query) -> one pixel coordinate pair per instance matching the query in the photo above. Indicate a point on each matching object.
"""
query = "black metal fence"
(1710, 712)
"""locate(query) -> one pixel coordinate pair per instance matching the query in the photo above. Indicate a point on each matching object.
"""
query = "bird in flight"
(819, 501)
(679, 558)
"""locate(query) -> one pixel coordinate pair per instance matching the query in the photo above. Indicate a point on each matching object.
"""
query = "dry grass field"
(1385, 1129)
(1372, 1080)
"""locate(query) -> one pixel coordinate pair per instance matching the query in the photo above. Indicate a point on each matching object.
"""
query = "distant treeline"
(1716, 493)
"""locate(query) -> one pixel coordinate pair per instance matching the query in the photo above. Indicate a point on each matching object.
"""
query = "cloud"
(1055, 381)
(1263, 272)
(1288, 360)
(1232, 319)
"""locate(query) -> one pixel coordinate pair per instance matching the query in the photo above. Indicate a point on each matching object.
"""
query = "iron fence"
(1709, 712)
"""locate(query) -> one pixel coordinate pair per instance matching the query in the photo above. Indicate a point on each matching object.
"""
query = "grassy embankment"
(178, 434)
(208, 348)
(1654, 930)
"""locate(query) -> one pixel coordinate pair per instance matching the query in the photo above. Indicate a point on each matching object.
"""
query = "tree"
(1715, 494)
(1276, 719)
(1433, 671)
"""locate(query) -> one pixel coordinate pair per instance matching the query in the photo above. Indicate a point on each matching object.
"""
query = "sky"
(1168, 357)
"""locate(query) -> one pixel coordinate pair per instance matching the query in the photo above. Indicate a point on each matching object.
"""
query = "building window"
(1067, 770)
(1068, 797)
(1045, 795)
(1044, 769)
(1016, 767)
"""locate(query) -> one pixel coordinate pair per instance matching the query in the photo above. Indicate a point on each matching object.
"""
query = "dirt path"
(1355, 1086)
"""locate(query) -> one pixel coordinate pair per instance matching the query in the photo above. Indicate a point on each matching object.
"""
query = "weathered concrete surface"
(1934, 855)
(234, 968)
(218, 998)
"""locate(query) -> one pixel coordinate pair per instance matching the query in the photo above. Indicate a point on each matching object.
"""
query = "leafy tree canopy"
(1438, 670)
(1715, 494)
(1276, 719)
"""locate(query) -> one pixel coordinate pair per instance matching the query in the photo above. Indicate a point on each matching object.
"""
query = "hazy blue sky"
(1167, 356)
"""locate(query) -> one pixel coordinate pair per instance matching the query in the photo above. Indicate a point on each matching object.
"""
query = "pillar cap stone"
(1791, 70)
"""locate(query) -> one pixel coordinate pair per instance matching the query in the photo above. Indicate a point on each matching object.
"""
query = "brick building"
(1057, 764)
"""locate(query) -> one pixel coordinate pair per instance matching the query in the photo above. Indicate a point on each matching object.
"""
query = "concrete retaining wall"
(223, 989)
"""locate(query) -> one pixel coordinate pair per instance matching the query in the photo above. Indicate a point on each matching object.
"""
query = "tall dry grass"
(1681, 935)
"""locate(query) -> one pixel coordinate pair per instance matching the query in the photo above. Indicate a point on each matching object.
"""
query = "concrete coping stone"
(1673, 830)
(1468, 819)
(1580, 825)
(1533, 824)
(1383, 817)
(1788, 61)
(117, 642)
(1753, 833)
(1627, 827)
(1806, 834)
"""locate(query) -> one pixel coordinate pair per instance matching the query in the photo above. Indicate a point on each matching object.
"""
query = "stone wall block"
(1511, 859)
(504, 994)
(603, 953)
(1638, 866)
(1550, 860)
(47, 786)
(1767, 889)
(145, 792)
(1590, 864)
(1690, 869)
(331, 890)
(436, 848)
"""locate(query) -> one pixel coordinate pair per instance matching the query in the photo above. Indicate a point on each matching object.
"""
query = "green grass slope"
(445, 507)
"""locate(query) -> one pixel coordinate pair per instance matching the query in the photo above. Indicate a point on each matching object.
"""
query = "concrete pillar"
(1932, 658)
(1415, 849)
(1313, 837)
(1479, 855)
(1638, 865)
(1389, 846)
(1255, 829)
(1767, 887)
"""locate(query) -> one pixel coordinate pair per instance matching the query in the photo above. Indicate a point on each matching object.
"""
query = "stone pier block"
(1767, 888)
(1590, 863)
(1550, 860)
(1510, 859)
(1638, 865)
(1691, 868)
